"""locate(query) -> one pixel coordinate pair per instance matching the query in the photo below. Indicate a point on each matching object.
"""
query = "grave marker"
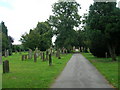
(6, 66)
(50, 60)
(35, 57)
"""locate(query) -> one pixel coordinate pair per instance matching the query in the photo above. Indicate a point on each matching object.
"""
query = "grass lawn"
(106, 66)
(28, 74)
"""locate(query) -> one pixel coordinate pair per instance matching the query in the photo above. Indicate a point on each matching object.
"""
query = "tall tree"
(40, 37)
(6, 40)
(104, 19)
(64, 20)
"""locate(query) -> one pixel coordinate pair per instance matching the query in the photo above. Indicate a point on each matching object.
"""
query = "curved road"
(80, 73)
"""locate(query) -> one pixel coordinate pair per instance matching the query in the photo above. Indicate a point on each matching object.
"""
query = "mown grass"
(106, 66)
(28, 74)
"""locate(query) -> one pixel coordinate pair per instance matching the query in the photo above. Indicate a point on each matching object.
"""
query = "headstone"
(50, 60)
(20, 51)
(7, 52)
(59, 54)
(47, 54)
(26, 57)
(43, 56)
(6, 66)
(35, 57)
(106, 55)
(30, 54)
(23, 57)
(36, 50)
(66, 51)
(16, 51)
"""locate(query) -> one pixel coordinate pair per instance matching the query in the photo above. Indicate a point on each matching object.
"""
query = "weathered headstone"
(106, 55)
(30, 54)
(43, 56)
(35, 57)
(23, 57)
(47, 54)
(50, 60)
(59, 54)
(5, 53)
(26, 57)
(36, 50)
(6, 66)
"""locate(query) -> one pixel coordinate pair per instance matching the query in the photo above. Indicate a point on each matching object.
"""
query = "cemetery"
(69, 49)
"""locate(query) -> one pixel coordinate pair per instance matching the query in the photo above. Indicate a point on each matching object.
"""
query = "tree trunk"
(112, 52)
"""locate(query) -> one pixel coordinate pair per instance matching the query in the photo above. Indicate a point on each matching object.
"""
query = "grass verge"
(106, 66)
(28, 74)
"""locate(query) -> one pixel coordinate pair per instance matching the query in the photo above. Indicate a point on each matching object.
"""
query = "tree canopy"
(40, 37)
(63, 22)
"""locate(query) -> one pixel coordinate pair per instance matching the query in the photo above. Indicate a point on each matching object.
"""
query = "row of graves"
(34, 55)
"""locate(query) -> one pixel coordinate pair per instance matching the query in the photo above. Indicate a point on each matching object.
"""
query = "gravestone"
(26, 57)
(23, 57)
(36, 50)
(6, 66)
(47, 55)
(66, 51)
(5, 53)
(16, 51)
(35, 57)
(106, 55)
(30, 54)
(50, 60)
(43, 56)
(59, 54)
(20, 51)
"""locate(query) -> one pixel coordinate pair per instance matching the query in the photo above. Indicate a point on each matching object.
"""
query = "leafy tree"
(104, 17)
(6, 40)
(40, 37)
(63, 22)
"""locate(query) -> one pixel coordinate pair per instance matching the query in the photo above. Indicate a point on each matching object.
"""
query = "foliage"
(6, 40)
(40, 37)
(104, 16)
(63, 22)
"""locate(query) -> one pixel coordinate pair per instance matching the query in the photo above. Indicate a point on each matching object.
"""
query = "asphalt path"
(80, 73)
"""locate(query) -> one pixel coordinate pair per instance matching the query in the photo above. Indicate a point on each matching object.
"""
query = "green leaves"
(40, 37)
(63, 21)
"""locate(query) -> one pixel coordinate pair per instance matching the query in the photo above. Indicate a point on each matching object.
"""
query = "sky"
(22, 15)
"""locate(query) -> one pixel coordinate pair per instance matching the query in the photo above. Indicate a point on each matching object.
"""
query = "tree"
(104, 17)
(40, 37)
(6, 40)
(63, 22)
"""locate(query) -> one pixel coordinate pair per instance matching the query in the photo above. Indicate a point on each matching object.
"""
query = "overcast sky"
(22, 15)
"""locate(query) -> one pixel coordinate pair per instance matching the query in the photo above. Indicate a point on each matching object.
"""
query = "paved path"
(80, 73)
